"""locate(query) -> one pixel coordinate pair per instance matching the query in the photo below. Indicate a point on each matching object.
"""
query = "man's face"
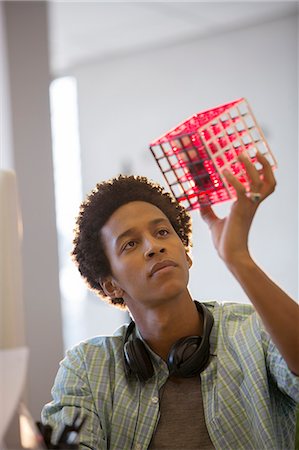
(148, 260)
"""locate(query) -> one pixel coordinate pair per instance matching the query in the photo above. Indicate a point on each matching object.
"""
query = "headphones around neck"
(187, 357)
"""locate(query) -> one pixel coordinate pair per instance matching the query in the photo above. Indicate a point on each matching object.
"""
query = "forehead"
(135, 214)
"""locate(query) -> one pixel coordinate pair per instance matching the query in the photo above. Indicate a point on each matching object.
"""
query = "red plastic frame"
(193, 155)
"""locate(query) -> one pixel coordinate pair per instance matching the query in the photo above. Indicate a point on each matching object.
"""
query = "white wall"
(126, 102)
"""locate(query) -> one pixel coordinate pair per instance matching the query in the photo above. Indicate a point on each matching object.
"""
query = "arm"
(279, 313)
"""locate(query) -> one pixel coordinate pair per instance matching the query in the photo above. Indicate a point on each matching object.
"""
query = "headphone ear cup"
(137, 360)
(183, 358)
(189, 355)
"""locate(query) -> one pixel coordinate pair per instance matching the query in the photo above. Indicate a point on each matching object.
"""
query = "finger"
(269, 177)
(235, 183)
(252, 172)
(208, 215)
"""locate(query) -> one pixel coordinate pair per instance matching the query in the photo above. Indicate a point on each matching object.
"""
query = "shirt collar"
(215, 309)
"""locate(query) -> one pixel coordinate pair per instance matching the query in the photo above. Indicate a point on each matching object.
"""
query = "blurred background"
(85, 87)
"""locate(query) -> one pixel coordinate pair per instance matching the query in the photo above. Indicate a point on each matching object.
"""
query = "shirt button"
(155, 400)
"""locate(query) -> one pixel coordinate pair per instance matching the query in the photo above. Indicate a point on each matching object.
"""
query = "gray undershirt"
(182, 423)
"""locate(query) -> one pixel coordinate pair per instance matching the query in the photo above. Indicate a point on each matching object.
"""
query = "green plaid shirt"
(249, 394)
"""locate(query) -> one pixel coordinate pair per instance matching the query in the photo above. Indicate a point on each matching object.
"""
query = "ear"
(111, 288)
(189, 260)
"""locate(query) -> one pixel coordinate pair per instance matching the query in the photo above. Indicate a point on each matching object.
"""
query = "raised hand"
(230, 234)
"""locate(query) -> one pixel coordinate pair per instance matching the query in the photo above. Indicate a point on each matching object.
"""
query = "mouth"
(162, 265)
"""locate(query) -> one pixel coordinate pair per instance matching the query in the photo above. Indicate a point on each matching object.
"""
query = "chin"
(171, 291)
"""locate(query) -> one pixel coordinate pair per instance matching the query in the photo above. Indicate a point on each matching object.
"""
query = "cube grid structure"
(193, 155)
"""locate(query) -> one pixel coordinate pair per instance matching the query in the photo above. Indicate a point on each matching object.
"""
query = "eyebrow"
(131, 230)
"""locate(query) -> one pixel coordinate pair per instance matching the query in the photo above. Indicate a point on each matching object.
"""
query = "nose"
(152, 248)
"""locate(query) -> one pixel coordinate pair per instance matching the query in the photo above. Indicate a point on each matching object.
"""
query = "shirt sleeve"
(286, 380)
(72, 395)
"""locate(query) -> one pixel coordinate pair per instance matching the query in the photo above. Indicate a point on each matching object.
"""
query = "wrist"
(240, 263)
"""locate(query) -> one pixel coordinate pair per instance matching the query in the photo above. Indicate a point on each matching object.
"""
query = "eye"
(163, 232)
(129, 245)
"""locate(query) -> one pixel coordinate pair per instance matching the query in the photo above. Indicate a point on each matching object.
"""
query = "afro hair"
(88, 251)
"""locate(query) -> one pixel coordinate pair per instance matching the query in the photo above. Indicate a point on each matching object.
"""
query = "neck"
(162, 326)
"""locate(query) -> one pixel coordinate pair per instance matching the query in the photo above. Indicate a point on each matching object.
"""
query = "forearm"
(279, 313)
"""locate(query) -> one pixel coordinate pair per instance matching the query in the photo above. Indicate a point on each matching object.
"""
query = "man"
(183, 375)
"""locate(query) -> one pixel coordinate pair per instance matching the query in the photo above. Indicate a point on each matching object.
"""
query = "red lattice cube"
(193, 155)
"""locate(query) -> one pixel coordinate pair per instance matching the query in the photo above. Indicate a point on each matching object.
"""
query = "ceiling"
(83, 32)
